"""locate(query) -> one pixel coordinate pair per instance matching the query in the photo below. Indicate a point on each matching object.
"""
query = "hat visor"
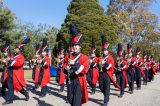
(76, 43)
(105, 49)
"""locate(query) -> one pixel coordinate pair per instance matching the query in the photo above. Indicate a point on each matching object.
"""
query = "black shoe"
(138, 88)
(129, 89)
(145, 83)
(92, 93)
(42, 95)
(2, 94)
(67, 101)
(60, 90)
(105, 104)
(27, 97)
(120, 96)
(131, 92)
(33, 88)
(7, 102)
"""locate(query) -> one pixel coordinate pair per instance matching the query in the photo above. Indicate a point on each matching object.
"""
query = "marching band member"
(106, 64)
(139, 69)
(76, 65)
(61, 77)
(4, 76)
(131, 68)
(44, 75)
(121, 68)
(145, 68)
(93, 74)
(36, 69)
(16, 79)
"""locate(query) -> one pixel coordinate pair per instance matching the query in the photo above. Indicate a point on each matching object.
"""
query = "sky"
(52, 12)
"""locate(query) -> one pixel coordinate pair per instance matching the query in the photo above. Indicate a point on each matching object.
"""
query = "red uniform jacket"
(5, 74)
(37, 71)
(152, 64)
(134, 59)
(18, 73)
(124, 72)
(62, 75)
(84, 62)
(95, 74)
(147, 65)
(141, 67)
(46, 69)
(110, 71)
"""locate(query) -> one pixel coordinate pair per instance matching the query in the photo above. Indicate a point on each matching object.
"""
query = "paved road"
(148, 96)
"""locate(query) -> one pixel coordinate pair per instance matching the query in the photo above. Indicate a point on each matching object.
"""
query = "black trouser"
(33, 72)
(89, 80)
(44, 90)
(117, 78)
(121, 82)
(3, 90)
(62, 86)
(104, 85)
(4, 85)
(10, 94)
(150, 75)
(74, 91)
(68, 91)
(138, 77)
(24, 92)
(131, 75)
(146, 74)
(58, 75)
(36, 85)
(93, 86)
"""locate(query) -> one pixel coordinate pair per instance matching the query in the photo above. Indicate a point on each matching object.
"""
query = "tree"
(133, 19)
(6, 22)
(91, 21)
(36, 34)
(135, 23)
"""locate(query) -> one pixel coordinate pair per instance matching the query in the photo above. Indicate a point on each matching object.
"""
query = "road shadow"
(114, 89)
(54, 83)
(97, 101)
(14, 97)
(30, 88)
(54, 91)
(41, 102)
(114, 94)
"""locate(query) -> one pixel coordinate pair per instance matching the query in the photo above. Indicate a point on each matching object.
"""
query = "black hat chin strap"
(16, 54)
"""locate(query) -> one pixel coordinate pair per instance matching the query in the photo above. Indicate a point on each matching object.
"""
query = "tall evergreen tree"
(6, 22)
(91, 21)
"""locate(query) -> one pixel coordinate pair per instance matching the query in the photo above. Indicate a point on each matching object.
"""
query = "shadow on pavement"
(41, 102)
(99, 102)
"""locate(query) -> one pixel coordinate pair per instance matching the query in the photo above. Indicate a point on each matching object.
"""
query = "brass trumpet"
(102, 63)
(100, 66)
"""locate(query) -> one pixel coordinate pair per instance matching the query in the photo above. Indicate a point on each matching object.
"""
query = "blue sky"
(51, 12)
